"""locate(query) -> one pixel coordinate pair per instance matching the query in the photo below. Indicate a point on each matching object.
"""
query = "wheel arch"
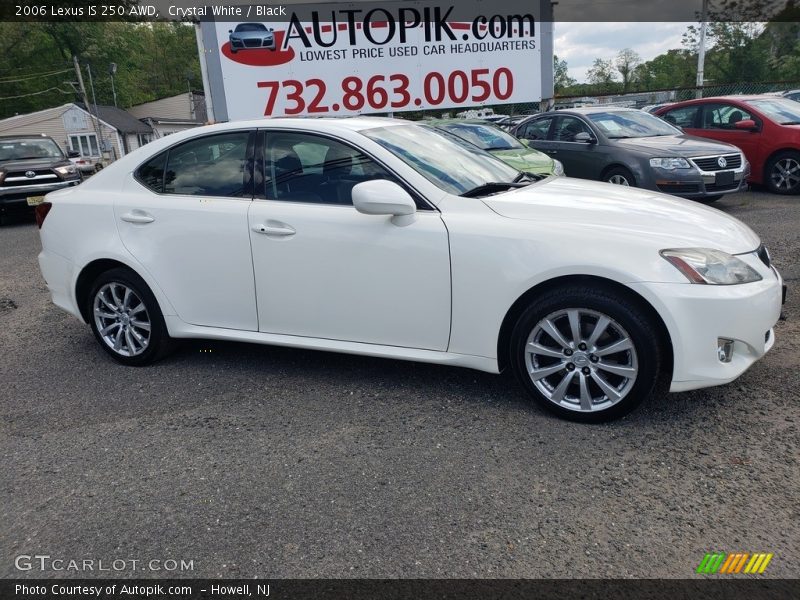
(616, 165)
(94, 268)
(528, 297)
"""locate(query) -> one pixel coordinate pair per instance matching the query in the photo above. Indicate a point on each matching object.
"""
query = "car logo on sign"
(722, 162)
(30, 174)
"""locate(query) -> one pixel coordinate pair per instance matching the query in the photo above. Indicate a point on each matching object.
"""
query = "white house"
(173, 114)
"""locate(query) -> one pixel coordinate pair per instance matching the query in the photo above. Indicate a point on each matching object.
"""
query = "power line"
(37, 93)
(34, 76)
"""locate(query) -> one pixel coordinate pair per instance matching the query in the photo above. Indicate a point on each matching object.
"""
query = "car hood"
(654, 218)
(677, 145)
(526, 159)
(32, 164)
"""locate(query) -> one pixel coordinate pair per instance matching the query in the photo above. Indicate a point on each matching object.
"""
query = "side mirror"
(230, 30)
(382, 197)
(746, 125)
(73, 154)
(584, 138)
(525, 142)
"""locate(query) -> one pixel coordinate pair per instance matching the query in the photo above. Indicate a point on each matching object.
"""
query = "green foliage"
(154, 60)
(561, 78)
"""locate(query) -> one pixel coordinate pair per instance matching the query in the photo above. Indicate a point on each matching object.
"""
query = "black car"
(632, 147)
(30, 167)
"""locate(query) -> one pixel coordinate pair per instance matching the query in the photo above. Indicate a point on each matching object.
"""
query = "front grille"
(679, 188)
(711, 163)
(19, 178)
(763, 254)
(252, 43)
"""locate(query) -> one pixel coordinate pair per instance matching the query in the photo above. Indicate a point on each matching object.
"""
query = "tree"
(626, 63)
(601, 74)
(561, 78)
(153, 61)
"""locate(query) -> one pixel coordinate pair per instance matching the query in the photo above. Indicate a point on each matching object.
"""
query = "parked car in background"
(792, 95)
(30, 167)
(652, 108)
(766, 128)
(85, 164)
(629, 147)
(251, 36)
(388, 238)
(502, 144)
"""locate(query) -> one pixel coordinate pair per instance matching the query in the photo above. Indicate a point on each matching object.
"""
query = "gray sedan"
(631, 147)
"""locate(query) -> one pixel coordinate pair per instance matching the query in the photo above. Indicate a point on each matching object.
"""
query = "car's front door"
(583, 159)
(718, 121)
(324, 270)
(184, 218)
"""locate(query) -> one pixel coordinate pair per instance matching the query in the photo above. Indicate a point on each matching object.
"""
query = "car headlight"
(558, 168)
(670, 163)
(706, 266)
(68, 170)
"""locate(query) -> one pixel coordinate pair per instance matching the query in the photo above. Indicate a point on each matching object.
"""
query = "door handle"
(138, 216)
(275, 230)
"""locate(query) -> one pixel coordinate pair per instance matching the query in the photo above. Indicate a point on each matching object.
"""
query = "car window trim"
(247, 194)
(419, 199)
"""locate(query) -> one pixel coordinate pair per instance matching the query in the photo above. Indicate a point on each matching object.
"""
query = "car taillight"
(41, 211)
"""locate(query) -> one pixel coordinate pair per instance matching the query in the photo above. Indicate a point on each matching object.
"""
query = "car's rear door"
(324, 270)
(184, 219)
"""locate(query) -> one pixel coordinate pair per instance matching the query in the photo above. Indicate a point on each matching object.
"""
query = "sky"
(580, 43)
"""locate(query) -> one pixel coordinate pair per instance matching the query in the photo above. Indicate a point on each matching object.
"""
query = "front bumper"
(694, 183)
(698, 315)
(12, 196)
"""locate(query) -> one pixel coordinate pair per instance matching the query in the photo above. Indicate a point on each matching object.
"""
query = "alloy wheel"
(786, 174)
(581, 360)
(618, 180)
(122, 319)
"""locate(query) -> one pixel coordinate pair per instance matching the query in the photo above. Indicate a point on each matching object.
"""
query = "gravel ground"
(259, 461)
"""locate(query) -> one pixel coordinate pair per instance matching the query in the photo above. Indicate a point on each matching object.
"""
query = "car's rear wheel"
(586, 354)
(126, 319)
(620, 176)
(783, 173)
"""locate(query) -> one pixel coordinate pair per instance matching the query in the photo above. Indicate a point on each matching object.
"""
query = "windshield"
(450, 166)
(784, 112)
(250, 27)
(631, 124)
(29, 148)
(484, 137)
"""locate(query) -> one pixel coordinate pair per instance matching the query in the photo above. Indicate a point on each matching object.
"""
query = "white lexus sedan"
(385, 238)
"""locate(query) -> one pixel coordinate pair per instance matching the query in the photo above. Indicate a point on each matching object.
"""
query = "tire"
(121, 308)
(619, 176)
(782, 174)
(637, 365)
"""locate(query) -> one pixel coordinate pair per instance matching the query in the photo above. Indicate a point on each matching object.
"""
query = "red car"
(765, 128)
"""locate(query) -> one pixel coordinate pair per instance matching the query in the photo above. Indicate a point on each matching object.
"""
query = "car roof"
(457, 122)
(319, 124)
(25, 136)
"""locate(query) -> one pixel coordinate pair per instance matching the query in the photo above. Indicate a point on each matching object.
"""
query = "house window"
(85, 143)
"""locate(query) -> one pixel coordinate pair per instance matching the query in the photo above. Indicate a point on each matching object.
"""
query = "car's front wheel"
(587, 354)
(126, 319)
(783, 173)
(620, 176)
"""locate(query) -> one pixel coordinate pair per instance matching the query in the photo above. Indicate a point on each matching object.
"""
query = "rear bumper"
(59, 273)
(698, 315)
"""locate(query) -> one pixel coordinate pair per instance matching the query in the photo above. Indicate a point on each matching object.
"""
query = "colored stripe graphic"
(722, 562)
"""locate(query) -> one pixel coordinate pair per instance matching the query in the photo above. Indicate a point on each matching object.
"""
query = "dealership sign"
(375, 58)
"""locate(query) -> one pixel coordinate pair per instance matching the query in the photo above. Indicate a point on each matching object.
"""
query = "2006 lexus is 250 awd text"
(386, 238)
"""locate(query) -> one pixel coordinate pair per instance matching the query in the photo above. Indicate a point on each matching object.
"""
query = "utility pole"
(701, 54)
(112, 70)
(85, 98)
